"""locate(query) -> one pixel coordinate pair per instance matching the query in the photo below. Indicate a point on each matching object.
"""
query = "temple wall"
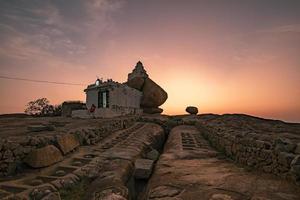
(123, 100)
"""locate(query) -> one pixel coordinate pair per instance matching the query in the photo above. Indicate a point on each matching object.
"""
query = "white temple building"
(110, 99)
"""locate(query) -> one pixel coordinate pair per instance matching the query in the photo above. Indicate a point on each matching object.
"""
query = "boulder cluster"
(153, 94)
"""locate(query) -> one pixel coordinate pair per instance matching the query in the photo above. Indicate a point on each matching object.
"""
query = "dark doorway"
(103, 99)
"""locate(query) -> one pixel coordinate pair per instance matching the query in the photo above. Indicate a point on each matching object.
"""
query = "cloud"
(37, 30)
(291, 28)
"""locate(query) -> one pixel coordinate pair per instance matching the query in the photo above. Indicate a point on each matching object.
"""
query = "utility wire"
(39, 81)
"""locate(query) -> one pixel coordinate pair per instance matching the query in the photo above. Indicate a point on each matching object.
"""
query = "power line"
(40, 81)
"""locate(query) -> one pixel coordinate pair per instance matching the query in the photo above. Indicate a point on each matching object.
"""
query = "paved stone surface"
(190, 169)
(110, 162)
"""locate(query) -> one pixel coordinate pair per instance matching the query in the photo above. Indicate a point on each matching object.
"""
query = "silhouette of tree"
(41, 107)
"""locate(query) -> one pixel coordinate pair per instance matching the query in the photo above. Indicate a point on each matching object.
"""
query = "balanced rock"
(153, 94)
(43, 157)
(192, 110)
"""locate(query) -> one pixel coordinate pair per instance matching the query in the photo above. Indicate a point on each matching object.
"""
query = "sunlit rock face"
(153, 94)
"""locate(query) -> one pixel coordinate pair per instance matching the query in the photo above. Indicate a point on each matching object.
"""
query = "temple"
(105, 99)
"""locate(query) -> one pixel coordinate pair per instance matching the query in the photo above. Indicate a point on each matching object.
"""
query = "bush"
(41, 107)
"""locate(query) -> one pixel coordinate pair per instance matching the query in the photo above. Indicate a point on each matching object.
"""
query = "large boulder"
(153, 94)
(43, 157)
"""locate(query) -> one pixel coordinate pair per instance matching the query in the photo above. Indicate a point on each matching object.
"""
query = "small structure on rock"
(153, 95)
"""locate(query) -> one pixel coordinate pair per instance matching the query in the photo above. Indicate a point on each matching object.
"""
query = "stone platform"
(209, 157)
(110, 162)
(190, 169)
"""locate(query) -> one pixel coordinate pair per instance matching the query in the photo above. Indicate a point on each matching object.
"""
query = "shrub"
(41, 107)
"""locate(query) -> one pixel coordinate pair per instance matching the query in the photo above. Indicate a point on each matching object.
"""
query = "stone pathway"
(190, 169)
(112, 157)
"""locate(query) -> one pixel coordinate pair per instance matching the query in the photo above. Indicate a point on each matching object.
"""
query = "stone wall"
(69, 106)
(256, 150)
(119, 95)
(13, 150)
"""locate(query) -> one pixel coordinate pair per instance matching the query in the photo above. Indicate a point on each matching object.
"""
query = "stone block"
(67, 143)
(43, 157)
(143, 168)
(38, 128)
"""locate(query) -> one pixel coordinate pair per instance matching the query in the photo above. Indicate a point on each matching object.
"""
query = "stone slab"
(143, 168)
(67, 143)
(39, 128)
(43, 157)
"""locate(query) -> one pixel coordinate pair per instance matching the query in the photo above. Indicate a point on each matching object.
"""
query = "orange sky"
(223, 58)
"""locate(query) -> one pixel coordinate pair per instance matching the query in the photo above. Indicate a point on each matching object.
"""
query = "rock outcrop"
(153, 94)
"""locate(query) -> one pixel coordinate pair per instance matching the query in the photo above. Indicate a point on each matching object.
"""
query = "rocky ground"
(213, 157)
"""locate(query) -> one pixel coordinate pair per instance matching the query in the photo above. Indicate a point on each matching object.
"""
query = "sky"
(228, 56)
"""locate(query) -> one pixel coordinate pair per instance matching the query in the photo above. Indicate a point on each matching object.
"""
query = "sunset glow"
(222, 57)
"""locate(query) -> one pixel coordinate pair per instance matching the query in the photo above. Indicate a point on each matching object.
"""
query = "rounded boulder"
(153, 94)
(191, 110)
